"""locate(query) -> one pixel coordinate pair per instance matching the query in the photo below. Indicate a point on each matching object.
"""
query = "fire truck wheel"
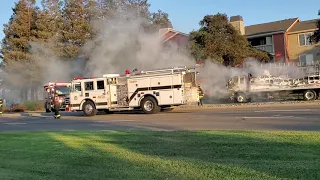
(149, 105)
(241, 98)
(89, 109)
(309, 95)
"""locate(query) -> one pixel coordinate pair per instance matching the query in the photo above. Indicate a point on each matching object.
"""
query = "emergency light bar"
(82, 78)
(56, 84)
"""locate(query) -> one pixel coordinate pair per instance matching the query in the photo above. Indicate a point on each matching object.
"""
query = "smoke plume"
(122, 44)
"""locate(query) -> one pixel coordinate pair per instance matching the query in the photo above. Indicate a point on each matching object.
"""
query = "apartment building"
(286, 40)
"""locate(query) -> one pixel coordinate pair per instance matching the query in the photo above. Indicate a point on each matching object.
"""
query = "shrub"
(19, 108)
(6, 109)
(33, 105)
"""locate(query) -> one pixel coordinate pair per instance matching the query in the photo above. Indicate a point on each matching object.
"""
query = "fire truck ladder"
(168, 70)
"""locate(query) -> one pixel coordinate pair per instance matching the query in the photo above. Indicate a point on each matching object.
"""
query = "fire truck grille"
(67, 100)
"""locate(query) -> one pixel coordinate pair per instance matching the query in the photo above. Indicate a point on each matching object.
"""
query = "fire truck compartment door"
(113, 94)
(161, 81)
(178, 96)
(166, 97)
(76, 95)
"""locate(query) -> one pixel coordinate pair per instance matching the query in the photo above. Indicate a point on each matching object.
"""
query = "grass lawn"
(160, 155)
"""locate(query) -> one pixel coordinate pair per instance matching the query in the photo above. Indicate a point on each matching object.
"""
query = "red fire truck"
(63, 90)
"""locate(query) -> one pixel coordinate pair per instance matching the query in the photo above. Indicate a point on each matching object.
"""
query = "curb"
(231, 105)
(255, 104)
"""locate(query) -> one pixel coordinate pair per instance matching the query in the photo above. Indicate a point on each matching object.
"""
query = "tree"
(132, 10)
(159, 20)
(315, 38)
(15, 45)
(110, 10)
(217, 39)
(76, 26)
(49, 23)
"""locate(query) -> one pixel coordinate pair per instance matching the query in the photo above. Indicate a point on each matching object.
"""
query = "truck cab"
(238, 83)
(63, 90)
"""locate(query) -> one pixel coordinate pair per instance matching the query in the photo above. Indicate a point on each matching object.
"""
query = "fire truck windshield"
(62, 90)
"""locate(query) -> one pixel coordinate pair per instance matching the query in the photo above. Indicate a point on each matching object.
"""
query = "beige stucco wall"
(294, 48)
(239, 25)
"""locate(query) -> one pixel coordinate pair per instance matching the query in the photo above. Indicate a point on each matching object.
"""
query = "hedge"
(25, 106)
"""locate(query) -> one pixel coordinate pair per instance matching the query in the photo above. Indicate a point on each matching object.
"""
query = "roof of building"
(236, 18)
(163, 32)
(269, 27)
(304, 25)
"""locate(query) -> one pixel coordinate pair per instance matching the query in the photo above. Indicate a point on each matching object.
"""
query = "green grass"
(160, 155)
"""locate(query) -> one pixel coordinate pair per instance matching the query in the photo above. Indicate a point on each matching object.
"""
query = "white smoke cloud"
(50, 68)
(123, 44)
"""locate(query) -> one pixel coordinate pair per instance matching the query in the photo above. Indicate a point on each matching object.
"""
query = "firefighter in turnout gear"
(1, 106)
(200, 96)
(56, 105)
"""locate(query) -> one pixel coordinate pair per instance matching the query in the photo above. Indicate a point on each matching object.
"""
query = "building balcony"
(267, 48)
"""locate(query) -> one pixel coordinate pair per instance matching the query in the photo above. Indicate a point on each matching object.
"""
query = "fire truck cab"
(63, 90)
(149, 91)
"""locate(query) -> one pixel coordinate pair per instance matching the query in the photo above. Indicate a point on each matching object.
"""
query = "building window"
(304, 39)
(306, 59)
(100, 84)
(88, 86)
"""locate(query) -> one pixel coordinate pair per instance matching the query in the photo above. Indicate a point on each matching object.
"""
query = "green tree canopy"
(218, 40)
(160, 20)
(76, 29)
(49, 24)
(15, 45)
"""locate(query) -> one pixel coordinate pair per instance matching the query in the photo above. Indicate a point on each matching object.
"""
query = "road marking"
(291, 110)
(14, 123)
(263, 117)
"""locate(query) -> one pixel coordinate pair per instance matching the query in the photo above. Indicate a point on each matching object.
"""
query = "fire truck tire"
(310, 95)
(89, 108)
(241, 98)
(149, 105)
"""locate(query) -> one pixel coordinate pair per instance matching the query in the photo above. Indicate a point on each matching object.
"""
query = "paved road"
(298, 117)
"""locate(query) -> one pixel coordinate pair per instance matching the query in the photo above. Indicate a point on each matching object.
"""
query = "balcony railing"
(268, 48)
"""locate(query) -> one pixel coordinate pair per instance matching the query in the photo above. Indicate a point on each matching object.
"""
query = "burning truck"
(242, 88)
(63, 90)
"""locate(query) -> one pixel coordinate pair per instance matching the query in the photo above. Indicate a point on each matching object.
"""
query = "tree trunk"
(26, 90)
(21, 94)
(3, 94)
(36, 94)
(32, 93)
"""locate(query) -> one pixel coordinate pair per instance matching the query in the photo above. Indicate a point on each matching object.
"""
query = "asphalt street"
(298, 117)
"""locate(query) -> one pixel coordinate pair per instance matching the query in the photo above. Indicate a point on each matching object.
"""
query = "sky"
(186, 14)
